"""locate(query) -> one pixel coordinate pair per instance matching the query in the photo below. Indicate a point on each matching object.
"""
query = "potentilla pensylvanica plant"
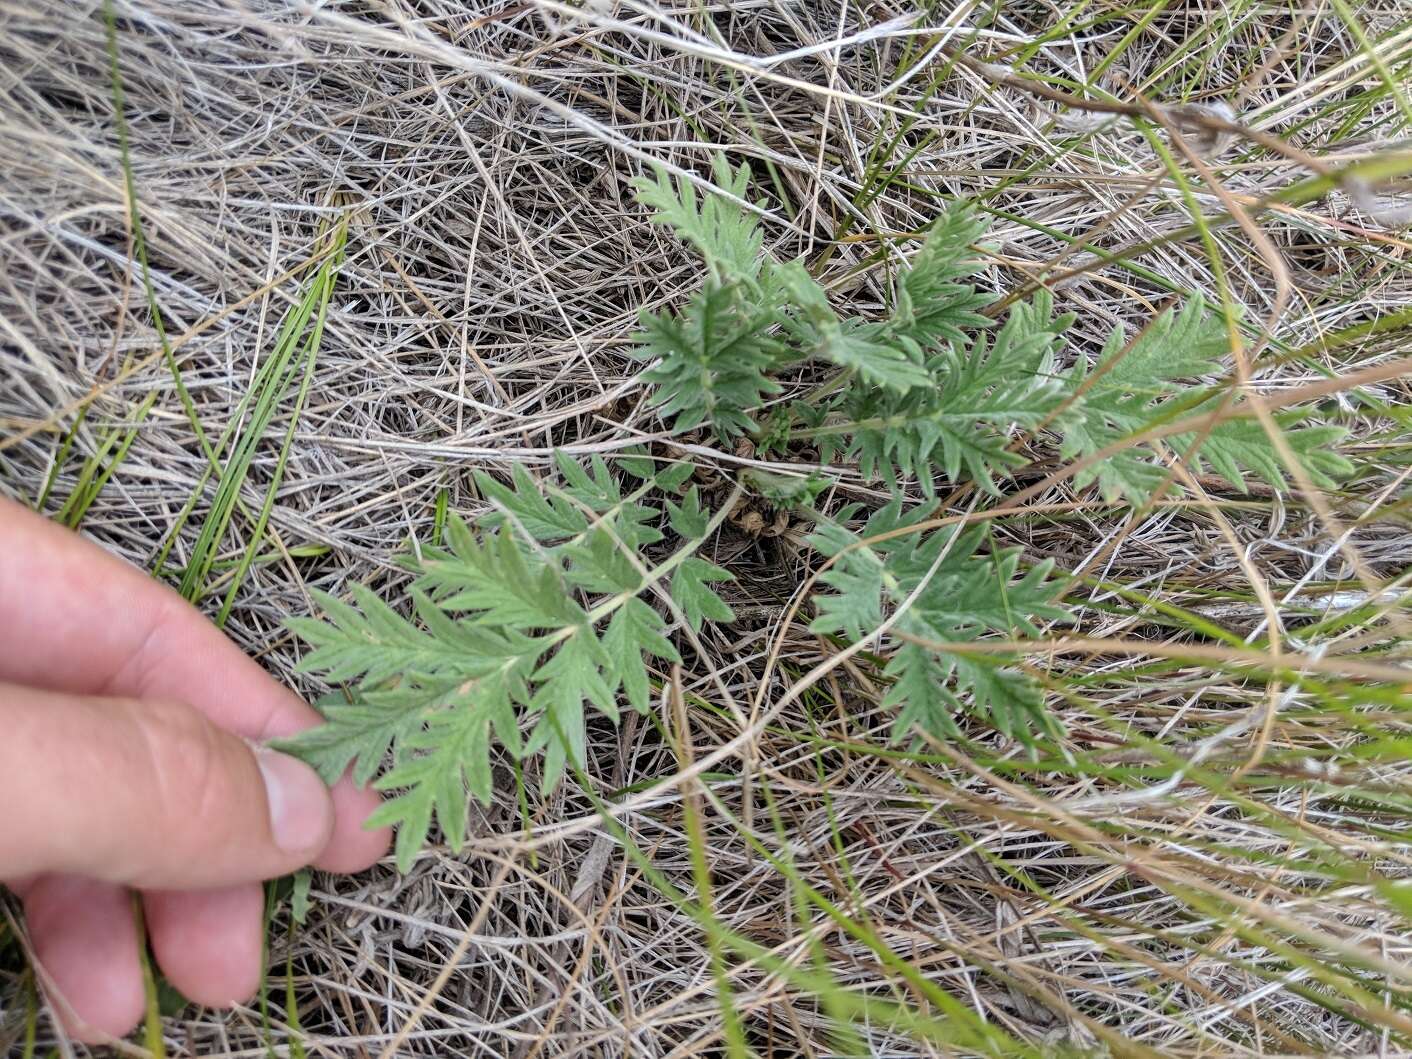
(572, 591)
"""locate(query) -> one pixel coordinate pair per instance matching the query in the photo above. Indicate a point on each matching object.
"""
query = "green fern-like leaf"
(524, 622)
(922, 393)
(1145, 382)
(633, 634)
(441, 761)
(575, 675)
(692, 592)
(711, 362)
(1237, 448)
(360, 734)
(963, 421)
(936, 303)
(726, 236)
(867, 349)
(939, 591)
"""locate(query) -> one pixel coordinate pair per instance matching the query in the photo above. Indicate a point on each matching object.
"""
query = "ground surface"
(1153, 892)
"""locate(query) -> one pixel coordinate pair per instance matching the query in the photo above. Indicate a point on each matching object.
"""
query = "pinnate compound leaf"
(1240, 448)
(963, 421)
(689, 518)
(936, 303)
(867, 349)
(359, 734)
(523, 620)
(533, 615)
(547, 519)
(1143, 383)
(635, 632)
(574, 675)
(710, 363)
(921, 692)
(724, 234)
(939, 590)
(442, 763)
(923, 394)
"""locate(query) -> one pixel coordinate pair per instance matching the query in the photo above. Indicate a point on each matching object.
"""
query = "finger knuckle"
(187, 761)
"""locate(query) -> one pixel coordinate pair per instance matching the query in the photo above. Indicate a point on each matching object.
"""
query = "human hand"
(128, 726)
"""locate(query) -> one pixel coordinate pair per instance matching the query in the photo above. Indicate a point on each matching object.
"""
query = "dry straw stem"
(1211, 859)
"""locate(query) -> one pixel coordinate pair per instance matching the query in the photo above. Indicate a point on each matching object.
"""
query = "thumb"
(148, 794)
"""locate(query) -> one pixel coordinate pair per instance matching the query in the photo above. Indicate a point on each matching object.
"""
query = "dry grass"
(1208, 872)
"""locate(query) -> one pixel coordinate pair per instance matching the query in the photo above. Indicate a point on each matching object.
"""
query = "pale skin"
(131, 762)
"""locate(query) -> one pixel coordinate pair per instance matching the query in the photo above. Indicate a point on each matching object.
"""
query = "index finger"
(80, 620)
